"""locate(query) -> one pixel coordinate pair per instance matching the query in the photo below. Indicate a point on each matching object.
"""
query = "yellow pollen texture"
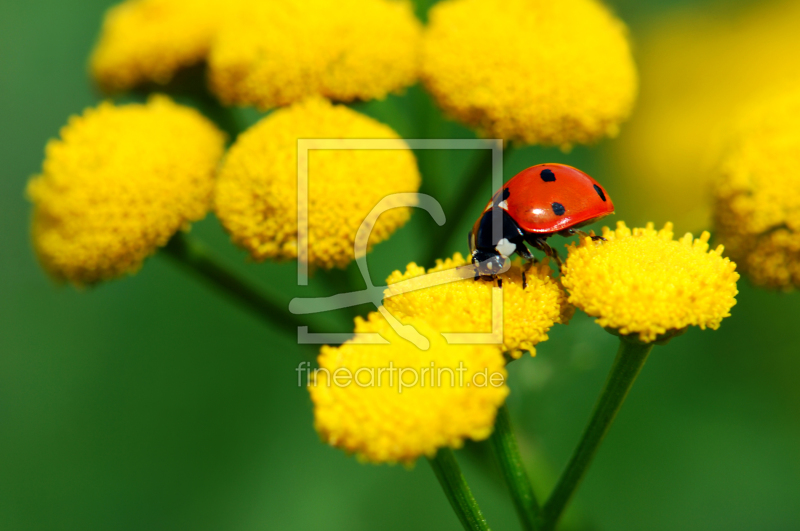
(432, 399)
(642, 282)
(118, 184)
(757, 192)
(533, 71)
(466, 305)
(256, 194)
(277, 53)
(150, 40)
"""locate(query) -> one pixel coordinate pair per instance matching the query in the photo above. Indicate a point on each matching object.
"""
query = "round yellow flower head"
(394, 403)
(276, 53)
(757, 192)
(535, 71)
(641, 282)
(466, 305)
(118, 184)
(256, 194)
(150, 40)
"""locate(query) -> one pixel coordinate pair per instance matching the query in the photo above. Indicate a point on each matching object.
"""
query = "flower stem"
(196, 256)
(506, 450)
(455, 487)
(629, 362)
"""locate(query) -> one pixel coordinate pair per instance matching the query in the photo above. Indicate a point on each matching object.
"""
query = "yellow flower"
(642, 282)
(150, 40)
(757, 192)
(448, 393)
(118, 184)
(466, 305)
(698, 69)
(536, 71)
(276, 53)
(256, 195)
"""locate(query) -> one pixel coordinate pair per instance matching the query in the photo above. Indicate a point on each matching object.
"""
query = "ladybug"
(535, 204)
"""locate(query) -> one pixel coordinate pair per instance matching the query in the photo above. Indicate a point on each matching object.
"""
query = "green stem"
(197, 257)
(457, 491)
(461, 202)
(629, 362)
(505, 448)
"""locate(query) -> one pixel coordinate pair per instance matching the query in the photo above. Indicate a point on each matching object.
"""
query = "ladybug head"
(488, 263)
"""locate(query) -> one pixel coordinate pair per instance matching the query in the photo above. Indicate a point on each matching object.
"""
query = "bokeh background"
(154, 402)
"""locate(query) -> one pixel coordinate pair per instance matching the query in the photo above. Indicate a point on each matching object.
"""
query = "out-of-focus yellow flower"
(757, 193)
(536, 71)
(118, 184)
(466, 305)
(448, 393)
(642, 282)
(698, 69)
(150, 40)
(256, 194)
(276, 53)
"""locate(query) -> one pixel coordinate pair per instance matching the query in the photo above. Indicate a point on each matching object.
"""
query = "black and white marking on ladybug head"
(547, 176)
(558, 209)
(505, 248)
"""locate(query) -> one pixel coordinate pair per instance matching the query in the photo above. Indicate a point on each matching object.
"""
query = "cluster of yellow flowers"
(639, 283)
(539, 72)
(298, 54)
(397, 421)
(122, 180)
(263, 53)
(698, 71)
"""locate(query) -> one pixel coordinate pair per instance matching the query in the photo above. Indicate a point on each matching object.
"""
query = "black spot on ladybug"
(548, 176)
(599, 192)
(558, 209)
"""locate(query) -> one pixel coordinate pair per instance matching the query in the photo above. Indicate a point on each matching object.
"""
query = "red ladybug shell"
(548, 198)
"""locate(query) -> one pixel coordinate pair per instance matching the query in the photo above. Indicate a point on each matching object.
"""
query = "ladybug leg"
(552, 253)
(593, 236)
(526, 255)
(541, 244)
(529, 259)
(582, 234)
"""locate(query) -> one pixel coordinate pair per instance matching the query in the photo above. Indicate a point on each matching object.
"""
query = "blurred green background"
(154, 402)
